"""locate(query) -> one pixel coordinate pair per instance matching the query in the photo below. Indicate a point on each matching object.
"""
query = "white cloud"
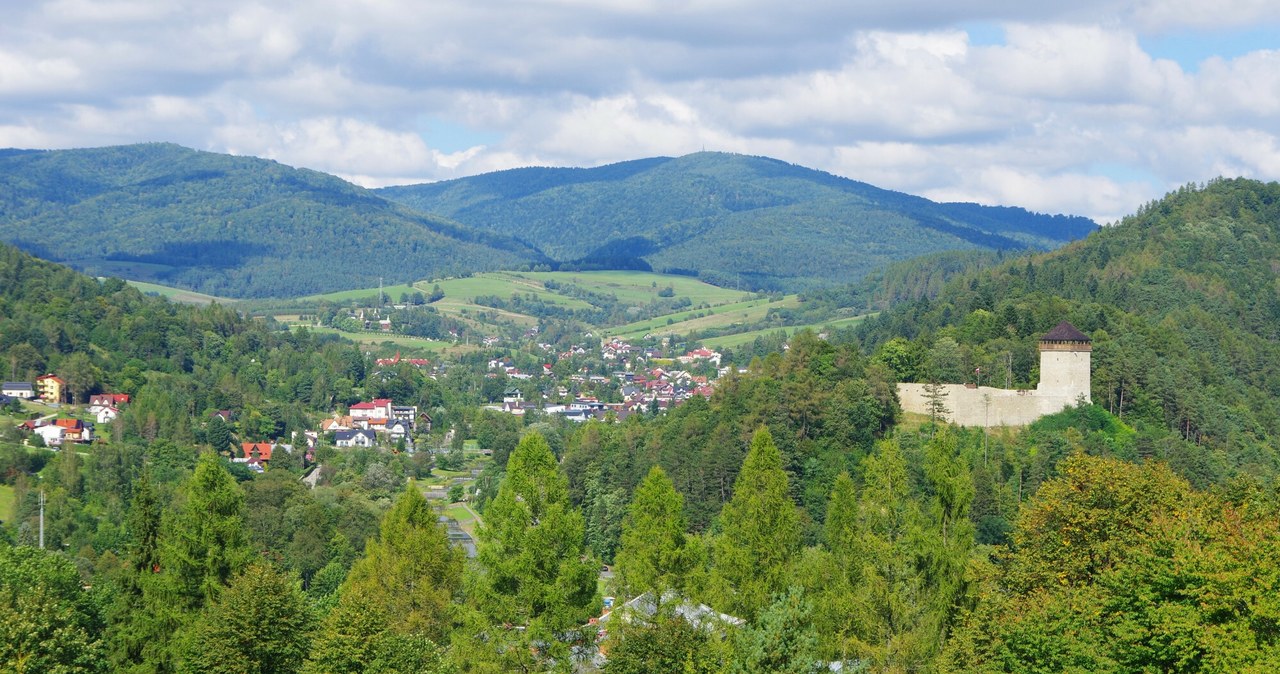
(23, 74)
(892, 93)
(1163, 15)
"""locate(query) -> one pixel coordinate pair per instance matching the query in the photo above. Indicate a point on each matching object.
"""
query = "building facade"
(1065, 362)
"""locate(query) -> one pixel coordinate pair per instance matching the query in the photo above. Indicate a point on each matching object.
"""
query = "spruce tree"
(759, 534)
(780, 640)
(655, 556)
(411, 571)
(533, 585)
(132, 626)
(206, 543)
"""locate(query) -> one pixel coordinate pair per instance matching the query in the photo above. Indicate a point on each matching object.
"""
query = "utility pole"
(41, 519)
(986, 429)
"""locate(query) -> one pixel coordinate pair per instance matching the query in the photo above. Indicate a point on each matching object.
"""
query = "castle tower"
(1064, 362)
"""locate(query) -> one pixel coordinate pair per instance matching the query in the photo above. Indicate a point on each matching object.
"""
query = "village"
(640, 381)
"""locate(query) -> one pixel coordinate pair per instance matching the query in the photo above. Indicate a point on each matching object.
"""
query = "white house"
(18, 389)
(358, 438)
(52, 435)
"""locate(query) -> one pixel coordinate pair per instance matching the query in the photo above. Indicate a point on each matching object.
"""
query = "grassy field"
(392, 292)
(403, 341)
(641, 287)
(684, 322)
(732, 341)
(178, 294)
(716, 307)
(501, 284)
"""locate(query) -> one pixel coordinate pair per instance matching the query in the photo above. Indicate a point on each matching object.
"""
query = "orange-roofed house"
(257, 452)
(75, 430)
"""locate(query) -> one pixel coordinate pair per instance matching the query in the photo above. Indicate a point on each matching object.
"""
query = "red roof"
(71, 424)
(51, 376)
(263, 450)
(363, 406)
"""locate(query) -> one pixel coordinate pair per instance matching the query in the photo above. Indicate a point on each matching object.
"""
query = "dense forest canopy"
(227, 226)
(246, 227)
(1181, 302)
(734, 220)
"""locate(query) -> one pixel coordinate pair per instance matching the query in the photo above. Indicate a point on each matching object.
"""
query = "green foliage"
(731, 219)
(1126, 568)
(780, 640)
(666, 644)
(359, 637)
(531, 572)
(205, 542)
(411, 571)
(760, 532)
(48, 623)
(260, 624)
(1180, 301)
(226, 225)
(656, 555)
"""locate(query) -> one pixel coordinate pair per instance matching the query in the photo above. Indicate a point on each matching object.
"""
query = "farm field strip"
(716, 316)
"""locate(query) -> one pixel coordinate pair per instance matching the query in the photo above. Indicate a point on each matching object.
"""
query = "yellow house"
(52, 388)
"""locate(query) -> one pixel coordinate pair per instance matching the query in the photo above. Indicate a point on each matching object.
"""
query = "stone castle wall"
(986, 406)
(1064, 380)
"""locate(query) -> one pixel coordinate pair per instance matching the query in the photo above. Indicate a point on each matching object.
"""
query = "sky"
(1092, 107)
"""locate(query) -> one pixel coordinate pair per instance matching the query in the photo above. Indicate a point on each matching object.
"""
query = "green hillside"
(1182, 301)
(734, 220)
(622, 303)
(228, 226)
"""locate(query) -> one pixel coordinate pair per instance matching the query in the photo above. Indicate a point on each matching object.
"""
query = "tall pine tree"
(533, 585)
(411, 571)
(206, 543)
(759, 534)
(656, 555)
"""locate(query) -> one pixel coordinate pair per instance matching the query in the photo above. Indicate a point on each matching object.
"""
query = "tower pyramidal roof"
(1065, 332)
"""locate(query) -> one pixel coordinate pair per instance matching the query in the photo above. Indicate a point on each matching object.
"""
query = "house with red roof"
(108, 399)
(257, 452)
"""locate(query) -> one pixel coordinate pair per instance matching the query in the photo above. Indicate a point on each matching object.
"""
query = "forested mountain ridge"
(225, 225)
(733, 219)
(1181, 300)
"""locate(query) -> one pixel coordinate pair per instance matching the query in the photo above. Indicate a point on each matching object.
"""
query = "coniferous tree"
(533, 586)
(759, 534)
(132, 626)
(832, 573)
(206, 543)
(411, 571)
(261, 624)
(218, 435)
(895, 633)
(780, 640)
(656, 554)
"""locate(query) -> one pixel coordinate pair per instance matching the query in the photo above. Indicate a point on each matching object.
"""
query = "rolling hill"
(224, 225)
(733, 220)
(1182, 300)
